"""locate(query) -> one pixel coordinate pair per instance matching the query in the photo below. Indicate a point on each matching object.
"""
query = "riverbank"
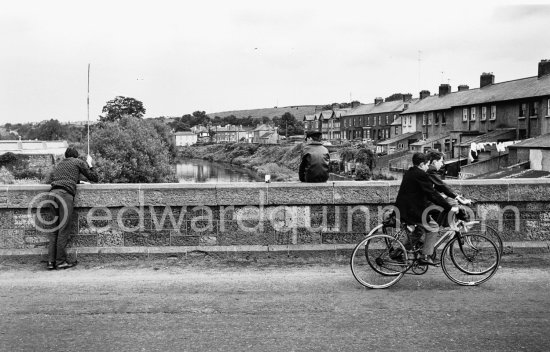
(279, 161)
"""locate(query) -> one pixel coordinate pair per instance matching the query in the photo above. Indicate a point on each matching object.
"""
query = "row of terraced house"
(448, 121)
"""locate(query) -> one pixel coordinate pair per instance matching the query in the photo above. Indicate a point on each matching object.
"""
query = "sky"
(217, 55)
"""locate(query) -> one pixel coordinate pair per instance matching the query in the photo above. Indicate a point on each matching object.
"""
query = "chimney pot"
(407, 97)
(463, 87)
(544, 68)
(378, 100)
(444, 89)
(424, 94)
(486, 79)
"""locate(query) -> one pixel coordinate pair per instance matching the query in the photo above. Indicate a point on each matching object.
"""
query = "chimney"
(544, 67)
(463, 87)
(444, 89)
(355, 104)
(486, 79)
(424, 94)
(378, 100)
(407, 97)
(335, 106)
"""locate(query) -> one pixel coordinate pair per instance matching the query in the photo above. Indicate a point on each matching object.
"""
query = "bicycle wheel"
(490, 233)
(470, 261)
(371, 264)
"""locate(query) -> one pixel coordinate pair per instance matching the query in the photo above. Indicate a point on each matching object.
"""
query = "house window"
(443, 118)
(522, 110)
(379, 120)
(430, 118)
(472, 114)
(396, 130)
(394, 117)
(437, 118)
(534, 109)
(424, 119)
(368, 134)
(493, 112)
(465, 114)
(483, 113)
(548, 107)
(410, 117)
(387, 119)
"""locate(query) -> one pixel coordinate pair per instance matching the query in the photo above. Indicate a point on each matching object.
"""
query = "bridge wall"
(119, 218)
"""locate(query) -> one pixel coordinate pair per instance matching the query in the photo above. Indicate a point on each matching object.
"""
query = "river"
(203, 171)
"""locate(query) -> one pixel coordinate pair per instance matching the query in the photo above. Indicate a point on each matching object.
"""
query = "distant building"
(265, 134)
(34, 147)
(535, 150)
(185, 138)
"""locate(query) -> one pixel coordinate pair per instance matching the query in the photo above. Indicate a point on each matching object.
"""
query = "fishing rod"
(88, 109)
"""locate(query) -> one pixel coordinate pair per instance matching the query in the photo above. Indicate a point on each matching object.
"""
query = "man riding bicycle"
(416, 194)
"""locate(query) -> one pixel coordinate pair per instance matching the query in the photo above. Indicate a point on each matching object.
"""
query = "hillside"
(297, 111)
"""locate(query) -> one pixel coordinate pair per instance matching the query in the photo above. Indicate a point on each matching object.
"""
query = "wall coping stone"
(288, 193)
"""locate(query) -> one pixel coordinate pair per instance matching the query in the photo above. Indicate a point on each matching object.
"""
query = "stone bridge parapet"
(127, 218)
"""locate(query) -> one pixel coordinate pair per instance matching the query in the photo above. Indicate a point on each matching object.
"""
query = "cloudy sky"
(181, 56)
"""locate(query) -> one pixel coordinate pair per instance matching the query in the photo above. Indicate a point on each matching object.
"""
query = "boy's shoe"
(428, 260)
(50, 266)
(397, 255)
(66, 265)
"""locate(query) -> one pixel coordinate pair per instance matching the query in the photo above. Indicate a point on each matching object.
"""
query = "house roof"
(399, 138)
(514, 173)
(263, 127)
(267, 134)
(185, 133)
(540, 142)
(430, 140)
(493, 136)
(327, 114)
(509, 90)
(395, 106)
(341, 112)
(309, 117)
(397, 121)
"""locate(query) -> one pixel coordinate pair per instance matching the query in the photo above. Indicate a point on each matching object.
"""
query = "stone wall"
(252, 216)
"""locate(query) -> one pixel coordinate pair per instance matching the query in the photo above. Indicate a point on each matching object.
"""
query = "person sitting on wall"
(63, 179)
(315, 160)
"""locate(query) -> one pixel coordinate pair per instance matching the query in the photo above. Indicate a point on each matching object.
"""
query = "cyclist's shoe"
(428, 260)
(50, 266)
(397, 255)
(66, 265)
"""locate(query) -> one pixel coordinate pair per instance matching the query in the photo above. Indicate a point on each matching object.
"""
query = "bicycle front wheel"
(374, 263)
(470, 260)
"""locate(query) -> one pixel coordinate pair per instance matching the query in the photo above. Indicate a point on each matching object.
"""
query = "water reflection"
(202, 171)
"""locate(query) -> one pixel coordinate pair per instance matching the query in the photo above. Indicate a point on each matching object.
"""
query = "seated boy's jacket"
(439, 185)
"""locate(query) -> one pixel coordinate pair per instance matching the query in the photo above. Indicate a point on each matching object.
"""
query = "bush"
(362, 173)
(6, 177)
(131, 150)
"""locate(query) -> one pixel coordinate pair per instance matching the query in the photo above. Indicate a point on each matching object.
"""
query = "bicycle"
(467, 259)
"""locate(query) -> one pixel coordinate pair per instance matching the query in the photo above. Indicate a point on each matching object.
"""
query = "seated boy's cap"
(313, 134)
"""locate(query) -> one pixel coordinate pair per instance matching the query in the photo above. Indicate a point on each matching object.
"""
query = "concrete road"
(172, 305)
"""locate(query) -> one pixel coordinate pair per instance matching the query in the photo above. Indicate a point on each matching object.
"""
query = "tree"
(121, 107)
(288, 125)
(50, 130)
(131, 150)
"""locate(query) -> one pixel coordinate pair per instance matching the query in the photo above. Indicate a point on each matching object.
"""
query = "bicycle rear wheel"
(371, 264)
(471, 260)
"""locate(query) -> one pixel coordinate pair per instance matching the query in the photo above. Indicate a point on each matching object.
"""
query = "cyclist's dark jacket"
(66, 174)
(439, 185)
(416, 194)
(315, 162)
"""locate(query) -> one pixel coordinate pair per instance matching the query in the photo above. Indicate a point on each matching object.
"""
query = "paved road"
(171, 305)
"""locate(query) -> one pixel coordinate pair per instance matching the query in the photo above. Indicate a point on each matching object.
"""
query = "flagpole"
(88, 109)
